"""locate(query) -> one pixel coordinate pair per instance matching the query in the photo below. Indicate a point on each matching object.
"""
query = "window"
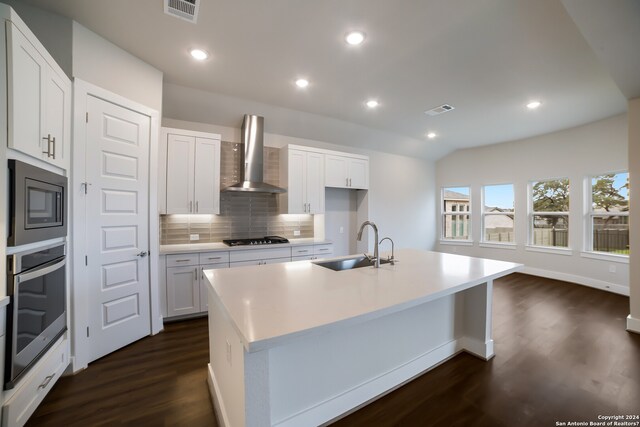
(456, 226)
(550, 213)
(498, 214)
(608, 225)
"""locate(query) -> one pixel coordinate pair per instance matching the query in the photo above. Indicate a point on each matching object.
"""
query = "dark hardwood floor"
(562, 354)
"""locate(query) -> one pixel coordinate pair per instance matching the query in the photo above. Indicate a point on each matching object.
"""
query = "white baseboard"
(216, 398)
(580, 280)
(361, 395)
(483, 350)
(633, 324)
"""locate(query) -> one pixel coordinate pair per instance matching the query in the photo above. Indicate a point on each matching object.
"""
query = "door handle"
(142, 254)
(48, 152)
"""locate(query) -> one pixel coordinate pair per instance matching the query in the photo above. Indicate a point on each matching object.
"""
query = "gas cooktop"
(267, 240)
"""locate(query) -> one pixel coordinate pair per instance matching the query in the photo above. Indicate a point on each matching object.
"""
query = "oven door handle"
(23, 277)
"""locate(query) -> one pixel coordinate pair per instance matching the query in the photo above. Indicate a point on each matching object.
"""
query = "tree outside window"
(609, 214)
(550, 213)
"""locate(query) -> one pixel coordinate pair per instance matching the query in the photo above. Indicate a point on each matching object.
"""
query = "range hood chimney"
(252, 174)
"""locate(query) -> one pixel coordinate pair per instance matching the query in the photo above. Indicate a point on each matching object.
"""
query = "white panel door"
(315, 182)
(183, 290)
(180, 182)
(117, 167)
(25, 91)
(336, 174)
(359, 174)
(296, 191)
(207, 176)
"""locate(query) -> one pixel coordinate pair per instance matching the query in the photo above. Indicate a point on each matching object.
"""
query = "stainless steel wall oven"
(37, 206)
(37, 314)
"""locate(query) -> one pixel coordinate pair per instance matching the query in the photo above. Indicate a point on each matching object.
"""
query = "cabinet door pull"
(309, 207)
(182, 260)
(48, 152)
(350, 184)
(215, 257)
(347, 184)
(304, 251)
(46, 381)
(190, 206)
(196, 206)
(53, 154)
(202, 273)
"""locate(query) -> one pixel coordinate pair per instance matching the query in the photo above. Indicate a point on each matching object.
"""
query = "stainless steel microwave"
(37, 204)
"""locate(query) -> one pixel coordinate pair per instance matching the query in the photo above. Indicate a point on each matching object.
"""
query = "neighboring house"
(456, 226)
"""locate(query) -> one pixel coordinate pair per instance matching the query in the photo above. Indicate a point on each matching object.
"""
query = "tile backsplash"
(241, 215)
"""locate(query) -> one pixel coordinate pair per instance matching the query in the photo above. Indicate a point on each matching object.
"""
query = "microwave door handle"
(23, 277)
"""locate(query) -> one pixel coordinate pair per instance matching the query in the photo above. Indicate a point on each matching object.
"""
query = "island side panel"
(318, 378)
(477, 337)
(226, 366)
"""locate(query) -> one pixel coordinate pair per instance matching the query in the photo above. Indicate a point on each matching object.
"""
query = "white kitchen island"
(298, 344)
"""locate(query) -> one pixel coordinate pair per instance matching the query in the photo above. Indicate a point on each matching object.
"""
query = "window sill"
(456, 242)
(623, 259)
(511, 246)
(549, 250)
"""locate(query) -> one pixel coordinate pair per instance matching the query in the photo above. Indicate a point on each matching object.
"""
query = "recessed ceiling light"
(302, 83)
(431, 135)
(199, 54)
(354, 38)
(533, 105)
(372, 103)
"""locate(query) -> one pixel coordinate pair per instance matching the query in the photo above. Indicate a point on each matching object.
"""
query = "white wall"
(401, 197)
(98, 61)
(592, 149)
(633, 323)
(52, 30)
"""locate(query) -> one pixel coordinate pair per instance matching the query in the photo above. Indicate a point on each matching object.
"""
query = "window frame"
(589, 216)
(454, 213)
(532, 214)
(491, 243)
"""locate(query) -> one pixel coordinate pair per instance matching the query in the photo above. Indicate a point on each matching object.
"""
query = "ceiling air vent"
(439, 110)
(183, 9)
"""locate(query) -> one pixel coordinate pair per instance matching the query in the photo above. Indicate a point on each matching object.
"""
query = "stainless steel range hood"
(252, 174)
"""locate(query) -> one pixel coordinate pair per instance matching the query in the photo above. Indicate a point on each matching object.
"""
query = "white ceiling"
(485, 57)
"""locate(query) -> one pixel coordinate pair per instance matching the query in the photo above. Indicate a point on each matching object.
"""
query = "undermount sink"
(348, 263)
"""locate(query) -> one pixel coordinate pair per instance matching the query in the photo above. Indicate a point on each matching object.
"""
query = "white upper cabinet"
(303, 173)
(342, 171)
(192, 172)
(39, 100)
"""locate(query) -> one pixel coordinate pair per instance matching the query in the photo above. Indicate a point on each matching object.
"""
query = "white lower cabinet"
(186, 285)
(25, 398)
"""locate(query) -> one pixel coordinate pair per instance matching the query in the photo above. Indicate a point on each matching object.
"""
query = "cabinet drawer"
(303, 258)
(260, 254)
(214, 257)
(36, 385)
(182, 260)
(301, 250)
(260, 262)
(323, 249)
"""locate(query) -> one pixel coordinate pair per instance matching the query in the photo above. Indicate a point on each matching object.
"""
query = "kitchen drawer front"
(36, 385)
(220, 257)
(260, 254)
(183, 260)
(323, 249)
(301, 250)
(303, 258)
(260, 262)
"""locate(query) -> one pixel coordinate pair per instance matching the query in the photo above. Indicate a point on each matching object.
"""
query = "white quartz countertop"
(219, 246)
(271, 304)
